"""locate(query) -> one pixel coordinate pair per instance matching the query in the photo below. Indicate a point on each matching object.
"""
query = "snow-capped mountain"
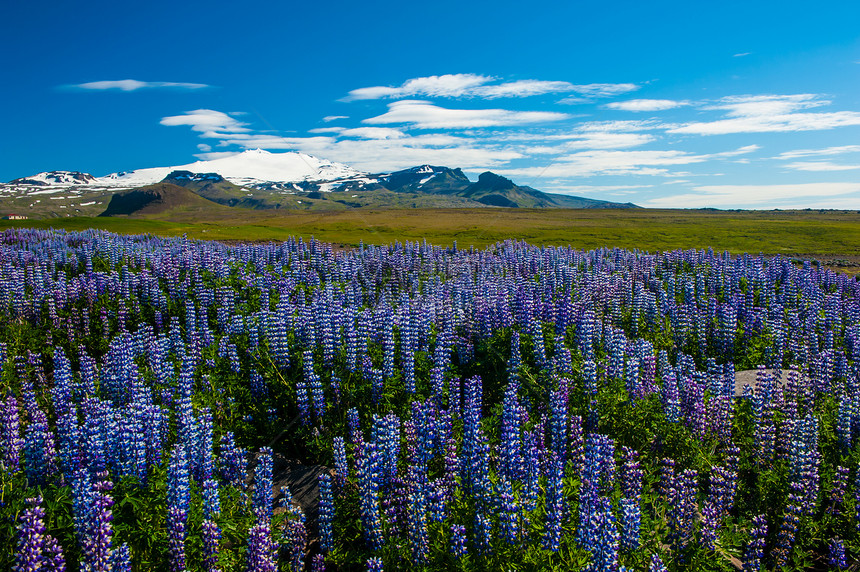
(248, 169)
(56, 179)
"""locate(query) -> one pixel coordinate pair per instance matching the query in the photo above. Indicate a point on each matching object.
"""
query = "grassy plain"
(823, 234)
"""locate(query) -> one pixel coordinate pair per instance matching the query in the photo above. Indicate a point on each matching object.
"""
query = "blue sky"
(669, 104)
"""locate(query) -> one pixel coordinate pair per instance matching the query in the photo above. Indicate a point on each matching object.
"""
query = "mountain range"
(258, 179)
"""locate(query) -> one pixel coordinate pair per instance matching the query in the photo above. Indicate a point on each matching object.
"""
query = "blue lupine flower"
(178, 501)
(755, 547)
(458, 541)
(36, 549)
(262, 503)
(326, 512)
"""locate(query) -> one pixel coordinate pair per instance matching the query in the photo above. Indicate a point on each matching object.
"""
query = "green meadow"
(825, 234)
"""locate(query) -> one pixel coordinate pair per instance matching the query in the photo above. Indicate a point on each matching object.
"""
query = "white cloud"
(521, 88)
(215, 155)
(603, 89)
(575, 100)
(425, 115)
(482, 86)
(330, 118)
(603, 140)
(742, 54)
(626, 125)
(327, 130)
(820, 166)
(614, 162)
(770, 113)
(448, 85)
(593, 190)
(207, 121)
(134, 85)
(800, 195)
(204, 147)
(373, 133)
(646, 104)
(801, 153)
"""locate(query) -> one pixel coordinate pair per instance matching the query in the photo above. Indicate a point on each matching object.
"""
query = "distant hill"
(157, 199)
(217, 189)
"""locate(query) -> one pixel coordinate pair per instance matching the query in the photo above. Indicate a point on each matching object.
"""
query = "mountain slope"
(216, 188)
(157, 199)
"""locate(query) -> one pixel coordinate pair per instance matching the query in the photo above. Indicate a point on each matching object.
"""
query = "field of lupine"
(512, 408)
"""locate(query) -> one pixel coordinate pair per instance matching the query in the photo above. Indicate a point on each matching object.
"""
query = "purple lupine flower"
(458, 541)
(657, 564)
(296, 537)
(837, 554)
(178, 501)
(96, 543)
(211, 532)
(326, 512)
(788, 529)
(36, 549)
(39, 452)
(355, 434)
(755, 547)
(554, 505)
(511, 463)
(69, 439)
(683, 507)
(62, 390)
(631, 518)
(10, 435)
(483, 531)
(318, 563)
(367, 470)
(719, 501)
(437, 499)
(341, 466)
(837, 490)
(508, 513)
(120, 559)
(261, 551)
(374, 564)
(631, 473)
(233, 461)
(262, 501)
(603, 541)
(417, 512)
(559, 420)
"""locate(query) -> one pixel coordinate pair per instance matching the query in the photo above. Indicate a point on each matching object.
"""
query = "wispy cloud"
(646, 104)
(211, 123)
(827, 151)
(770, 113)
(593, 190)
(742, 54)
(468, 85)
(425, 115)
(615, 162)
(603, 89)
(330, 118)
(134, 85)
(800, 195)
(820, 166)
